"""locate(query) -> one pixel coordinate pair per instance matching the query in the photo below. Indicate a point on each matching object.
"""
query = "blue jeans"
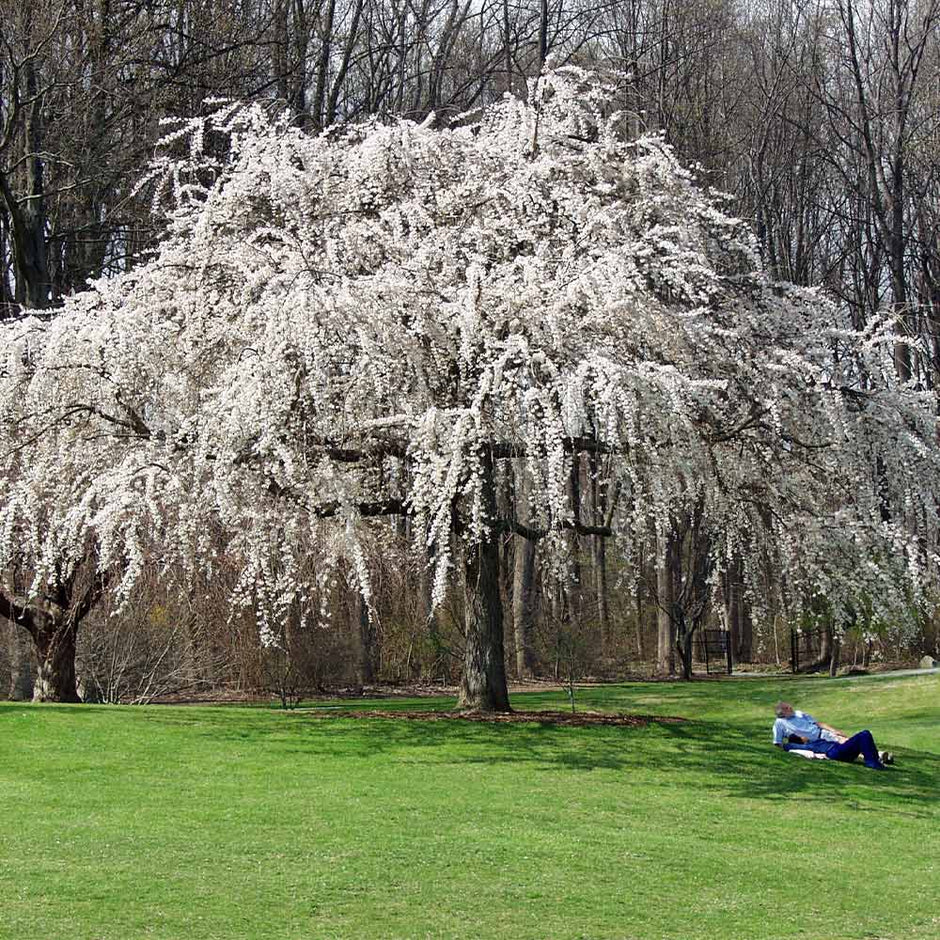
(862, 743)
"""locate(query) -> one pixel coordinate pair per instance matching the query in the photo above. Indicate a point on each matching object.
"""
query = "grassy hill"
(230, 822)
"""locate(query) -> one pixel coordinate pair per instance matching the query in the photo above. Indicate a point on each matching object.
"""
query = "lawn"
(229, 822)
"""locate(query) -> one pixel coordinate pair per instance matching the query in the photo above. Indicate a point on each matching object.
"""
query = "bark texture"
(53, 619)
(483, 686)
(55, 675)
(21, 664)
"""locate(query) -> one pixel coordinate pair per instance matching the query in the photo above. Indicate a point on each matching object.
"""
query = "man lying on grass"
(797, 731)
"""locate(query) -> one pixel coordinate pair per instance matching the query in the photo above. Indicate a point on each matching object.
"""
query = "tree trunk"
(523, 606)
(52, 620)
(665, 597)
(600, 588)
(29, 216)
(684, 636)
(483, 686)
(368, 658)
(55, 674)
(575, 587)
(543, 34)
(834, 655)
(21, 664)
(425, 619)
(825, 647)
(737, 615)
(323, 64)
(745, 653)
(523, 581)
(339, 72)
(732, 598)
(638, 601)
(598, 517)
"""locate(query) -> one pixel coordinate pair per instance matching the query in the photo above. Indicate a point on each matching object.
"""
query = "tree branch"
(533, 535)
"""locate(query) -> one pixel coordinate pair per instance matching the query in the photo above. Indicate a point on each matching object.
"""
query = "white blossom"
(341, 320)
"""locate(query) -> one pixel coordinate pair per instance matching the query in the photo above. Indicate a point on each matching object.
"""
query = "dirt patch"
(579, 719)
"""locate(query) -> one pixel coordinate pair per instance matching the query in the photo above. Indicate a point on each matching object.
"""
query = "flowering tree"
(370, 321)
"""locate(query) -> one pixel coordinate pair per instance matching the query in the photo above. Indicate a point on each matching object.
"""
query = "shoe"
(887, 757)
(873, 766)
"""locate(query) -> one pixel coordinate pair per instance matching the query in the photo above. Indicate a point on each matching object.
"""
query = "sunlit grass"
(244, 822)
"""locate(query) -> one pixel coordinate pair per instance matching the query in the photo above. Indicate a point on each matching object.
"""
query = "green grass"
(233, 822)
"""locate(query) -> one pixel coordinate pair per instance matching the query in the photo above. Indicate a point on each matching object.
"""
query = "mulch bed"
(579, 719)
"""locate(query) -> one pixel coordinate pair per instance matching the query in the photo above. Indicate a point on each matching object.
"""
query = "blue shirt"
(805, 726)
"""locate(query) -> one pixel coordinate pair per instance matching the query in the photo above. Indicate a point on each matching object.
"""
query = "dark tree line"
(821, 118)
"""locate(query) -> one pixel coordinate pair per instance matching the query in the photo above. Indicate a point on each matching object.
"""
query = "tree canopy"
(388, 318)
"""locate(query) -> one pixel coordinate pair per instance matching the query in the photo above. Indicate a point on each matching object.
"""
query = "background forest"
(821, 120)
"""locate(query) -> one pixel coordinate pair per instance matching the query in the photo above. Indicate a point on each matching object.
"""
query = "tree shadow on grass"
(739, 763)
(714, 760)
